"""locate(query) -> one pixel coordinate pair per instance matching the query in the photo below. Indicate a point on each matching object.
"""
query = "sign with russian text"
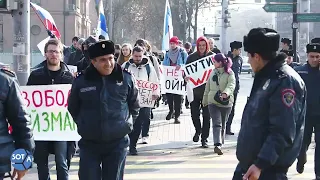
(199, 71)
(47, 106)
(172, 81)
(146, 90)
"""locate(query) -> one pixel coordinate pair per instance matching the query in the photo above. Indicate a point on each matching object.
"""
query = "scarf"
(173, 55)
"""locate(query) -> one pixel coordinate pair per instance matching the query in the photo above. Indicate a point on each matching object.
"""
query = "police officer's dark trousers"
(144, 116)
(267, 174)
(229, 122)
(103, 161)
(196, 105)
(312, 123)
(1, 176)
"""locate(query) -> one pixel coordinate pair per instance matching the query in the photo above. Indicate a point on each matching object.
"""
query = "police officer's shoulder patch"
(288, 97)
(8, 72)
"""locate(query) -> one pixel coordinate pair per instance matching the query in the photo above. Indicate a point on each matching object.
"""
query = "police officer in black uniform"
(289, 58)
(272, 123)
(310, 73)
(236, 67)
(13, 111)
(104, 104)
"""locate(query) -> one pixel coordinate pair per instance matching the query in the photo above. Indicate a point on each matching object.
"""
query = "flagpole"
(39, 17)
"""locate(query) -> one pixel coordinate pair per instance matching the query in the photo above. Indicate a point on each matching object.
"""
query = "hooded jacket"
(85, 61)
(140, 71)
(199, 91)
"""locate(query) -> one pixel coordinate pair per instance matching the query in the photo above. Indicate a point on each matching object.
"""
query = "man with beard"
(203, 50)
(53, 71)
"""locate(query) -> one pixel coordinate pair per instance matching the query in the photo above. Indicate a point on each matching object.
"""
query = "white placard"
(172, 81)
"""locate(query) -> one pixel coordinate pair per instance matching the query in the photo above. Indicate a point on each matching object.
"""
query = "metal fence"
(35, 58)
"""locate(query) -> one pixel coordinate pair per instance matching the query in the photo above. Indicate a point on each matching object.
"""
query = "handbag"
(217, 96)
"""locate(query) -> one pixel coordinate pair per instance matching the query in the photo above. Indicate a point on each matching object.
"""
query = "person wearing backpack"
(142, 69)
(177, 57)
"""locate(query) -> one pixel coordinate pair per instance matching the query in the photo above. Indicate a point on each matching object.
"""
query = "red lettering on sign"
(204, 78)
(147, 85)
(46, 98)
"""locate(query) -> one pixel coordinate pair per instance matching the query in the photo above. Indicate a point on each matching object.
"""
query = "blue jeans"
(42, 151)
(103, 162)
(144, 116)
(265, 174)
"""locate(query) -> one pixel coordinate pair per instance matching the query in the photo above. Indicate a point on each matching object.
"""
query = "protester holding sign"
(176, 57)
(12, 111)
(203, 50)
(53, 71)
(149, 91)
(104, 102)
(218, 97)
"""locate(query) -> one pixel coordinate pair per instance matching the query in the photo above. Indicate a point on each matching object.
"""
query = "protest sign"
(199, 71)
(47, 106)
(172, 81)
(146, 89)
(73, 69)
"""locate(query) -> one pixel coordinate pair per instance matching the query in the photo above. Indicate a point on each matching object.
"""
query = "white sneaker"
(145, 140)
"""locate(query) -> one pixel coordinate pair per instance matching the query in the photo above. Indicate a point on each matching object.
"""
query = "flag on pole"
(167, 27)
(46, 19)
(102, 23)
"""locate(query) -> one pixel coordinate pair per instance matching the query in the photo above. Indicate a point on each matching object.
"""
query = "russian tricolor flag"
(46, 19)
(102, 23)
(167, 27)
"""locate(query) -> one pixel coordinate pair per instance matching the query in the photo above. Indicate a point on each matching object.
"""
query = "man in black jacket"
(53, 71)
(85, 61)
(272, 123)
(104, 104)
(13, 112)
(236, 68)
(310, 73)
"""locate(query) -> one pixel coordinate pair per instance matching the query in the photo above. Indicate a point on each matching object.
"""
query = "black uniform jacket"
(101, 105)
(273, 119)
(14, 112)
(311, 77)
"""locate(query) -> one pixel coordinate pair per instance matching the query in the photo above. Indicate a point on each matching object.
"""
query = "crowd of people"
(276, 127)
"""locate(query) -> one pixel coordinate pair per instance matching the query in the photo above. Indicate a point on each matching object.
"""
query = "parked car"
(246, 67)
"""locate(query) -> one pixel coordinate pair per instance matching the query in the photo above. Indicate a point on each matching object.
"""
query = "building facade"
(72, 17)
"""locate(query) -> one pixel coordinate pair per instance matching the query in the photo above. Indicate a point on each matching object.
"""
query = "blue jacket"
(311, 77)
(101, 106)
(182, 58)
(13, 111)
(272, 123)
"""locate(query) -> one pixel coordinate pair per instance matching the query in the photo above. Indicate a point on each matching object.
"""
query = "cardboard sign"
(172, 81)
(42, 44)
(199, 71)
(73, 69)
(47, 106)
(146, 90)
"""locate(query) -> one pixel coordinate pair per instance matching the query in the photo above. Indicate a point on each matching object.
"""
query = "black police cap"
(288, 52)
(286, 41)
(236, 45)
(313, 47)
(261, 40)
(101, 48)
(315, 40)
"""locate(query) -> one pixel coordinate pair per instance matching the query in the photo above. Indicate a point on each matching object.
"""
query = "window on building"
(1, 32)
(72, 5)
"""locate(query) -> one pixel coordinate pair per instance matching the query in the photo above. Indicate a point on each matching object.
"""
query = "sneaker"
(145, 140)
(217, 149)
(204, 144)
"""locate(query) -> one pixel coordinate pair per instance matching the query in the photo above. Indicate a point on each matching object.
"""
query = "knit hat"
(174, 39)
